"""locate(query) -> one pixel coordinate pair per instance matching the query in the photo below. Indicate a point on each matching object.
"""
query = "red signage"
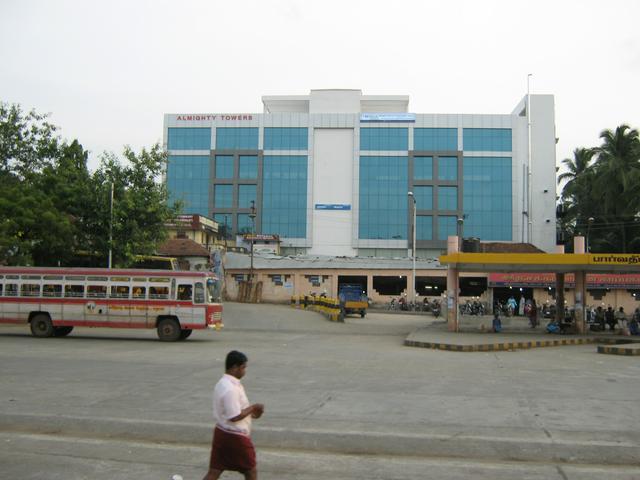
(228, 116)
(543, 280)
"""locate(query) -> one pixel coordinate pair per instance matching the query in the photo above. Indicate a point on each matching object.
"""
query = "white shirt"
(229, 399)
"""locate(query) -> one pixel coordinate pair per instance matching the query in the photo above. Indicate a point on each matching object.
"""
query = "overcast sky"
(108, 71)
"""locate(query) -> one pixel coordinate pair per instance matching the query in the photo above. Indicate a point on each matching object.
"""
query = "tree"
(140, 205)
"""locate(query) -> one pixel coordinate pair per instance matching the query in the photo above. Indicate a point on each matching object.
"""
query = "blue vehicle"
(352, 300)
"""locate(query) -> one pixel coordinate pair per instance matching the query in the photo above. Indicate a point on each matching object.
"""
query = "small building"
(202, 230)
(191, 255)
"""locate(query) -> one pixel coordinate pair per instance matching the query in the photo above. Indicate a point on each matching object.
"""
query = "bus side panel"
(10, 311)
(54, 309)
(138, 315)
(72, 312)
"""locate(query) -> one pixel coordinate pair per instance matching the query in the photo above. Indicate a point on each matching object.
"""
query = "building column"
(453, 285)
(580, 288)
(369, 284)
(559, 297)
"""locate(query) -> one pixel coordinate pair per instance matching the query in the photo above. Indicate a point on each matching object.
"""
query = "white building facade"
(330, 173)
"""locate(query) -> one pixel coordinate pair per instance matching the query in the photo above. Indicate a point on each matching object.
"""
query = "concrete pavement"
(334, 388)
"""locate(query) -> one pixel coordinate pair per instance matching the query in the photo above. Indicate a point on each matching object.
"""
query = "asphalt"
(348, 388)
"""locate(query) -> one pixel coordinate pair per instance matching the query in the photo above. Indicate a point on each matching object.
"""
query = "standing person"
(232, 448)
(610, 318)
(533, 314)
(521, 305)
(621, 318)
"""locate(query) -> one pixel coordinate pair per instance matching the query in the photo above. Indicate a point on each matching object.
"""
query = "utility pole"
(252, 216)
(111, 226)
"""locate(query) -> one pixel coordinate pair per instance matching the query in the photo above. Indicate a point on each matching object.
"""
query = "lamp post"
(413, 247)
(252, 216)
(111, 226)
(460, 224)
(590, 221)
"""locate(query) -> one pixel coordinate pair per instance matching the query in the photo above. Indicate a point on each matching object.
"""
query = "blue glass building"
(330, 173)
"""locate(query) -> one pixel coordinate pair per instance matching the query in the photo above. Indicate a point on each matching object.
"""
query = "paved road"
(329, 389)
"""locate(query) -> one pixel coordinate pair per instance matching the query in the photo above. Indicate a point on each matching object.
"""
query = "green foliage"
(53, 210)
(603, 185)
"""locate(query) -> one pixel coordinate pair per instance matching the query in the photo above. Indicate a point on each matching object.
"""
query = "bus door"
(96, 311)
(10, 307)
(184, 303)
(119, 305)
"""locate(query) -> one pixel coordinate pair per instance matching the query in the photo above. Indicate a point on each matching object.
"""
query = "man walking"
(232, 448)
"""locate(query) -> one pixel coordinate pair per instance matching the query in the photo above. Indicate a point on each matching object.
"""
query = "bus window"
(49, 290)
(199, 293)
(184, 292)
(11, 290)
(0, 289)
(96, 291)
(75, 291)
(30, 290)
(119, 291)
(158, 292)
(139, 292)
(213, 289)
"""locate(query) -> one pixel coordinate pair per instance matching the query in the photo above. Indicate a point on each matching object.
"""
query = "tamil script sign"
(614, 259)
(545, 280)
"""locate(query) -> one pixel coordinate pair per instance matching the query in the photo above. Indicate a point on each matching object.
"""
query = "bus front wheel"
(41, 326)
(168, 330)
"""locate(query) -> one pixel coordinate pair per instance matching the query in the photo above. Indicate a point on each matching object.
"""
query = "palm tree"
(576, 166)
(617, 174)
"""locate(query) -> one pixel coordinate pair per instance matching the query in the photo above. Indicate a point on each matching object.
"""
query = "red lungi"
(231, 451)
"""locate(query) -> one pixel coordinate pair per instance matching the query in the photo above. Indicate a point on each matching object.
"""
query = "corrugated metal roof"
(242, 261)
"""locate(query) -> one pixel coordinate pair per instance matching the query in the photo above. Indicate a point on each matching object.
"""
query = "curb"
(501, 346)
(508, 448)
(628, 350)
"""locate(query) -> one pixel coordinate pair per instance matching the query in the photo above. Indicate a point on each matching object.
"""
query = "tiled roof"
(182, 247)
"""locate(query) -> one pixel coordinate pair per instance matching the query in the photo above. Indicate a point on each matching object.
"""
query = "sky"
(107, 72)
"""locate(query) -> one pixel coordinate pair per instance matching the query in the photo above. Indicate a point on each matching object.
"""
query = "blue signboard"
(387, 117)
(332, 206)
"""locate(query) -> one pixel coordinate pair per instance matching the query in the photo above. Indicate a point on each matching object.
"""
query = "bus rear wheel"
(62, 331)
(41, 326)
(184, 334)
(169, 330)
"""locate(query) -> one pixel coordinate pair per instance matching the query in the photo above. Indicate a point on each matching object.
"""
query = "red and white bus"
(54, 300)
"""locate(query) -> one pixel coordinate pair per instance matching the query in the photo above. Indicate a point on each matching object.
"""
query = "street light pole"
(590, 221)
(111, 226)
(252, 216)
(413, 245)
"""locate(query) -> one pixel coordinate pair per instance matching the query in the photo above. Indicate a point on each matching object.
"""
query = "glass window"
(11, 290)
(188, 181)
(384, 139)
(74, 290)
(189, 139)
(448, 168)
(424, 197)
(96, 291)
(284, 195)
(245, 224)
(487, 198)
(223, 196)
(236, 138)
(185, 292)
(285, 138)
(487, 139)
(30, 290)
(51, 290)
(383, 198)
(248, 166)
(119, 291)
(447, 198)
(224, 166)
(199, 293)
(156, 293)
(447, 225)
(139, 292)
(423, 168)
(435, 139)
(424, 227)
(246, 194)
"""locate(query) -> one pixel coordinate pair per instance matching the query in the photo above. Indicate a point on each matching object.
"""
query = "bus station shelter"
(578, 263)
